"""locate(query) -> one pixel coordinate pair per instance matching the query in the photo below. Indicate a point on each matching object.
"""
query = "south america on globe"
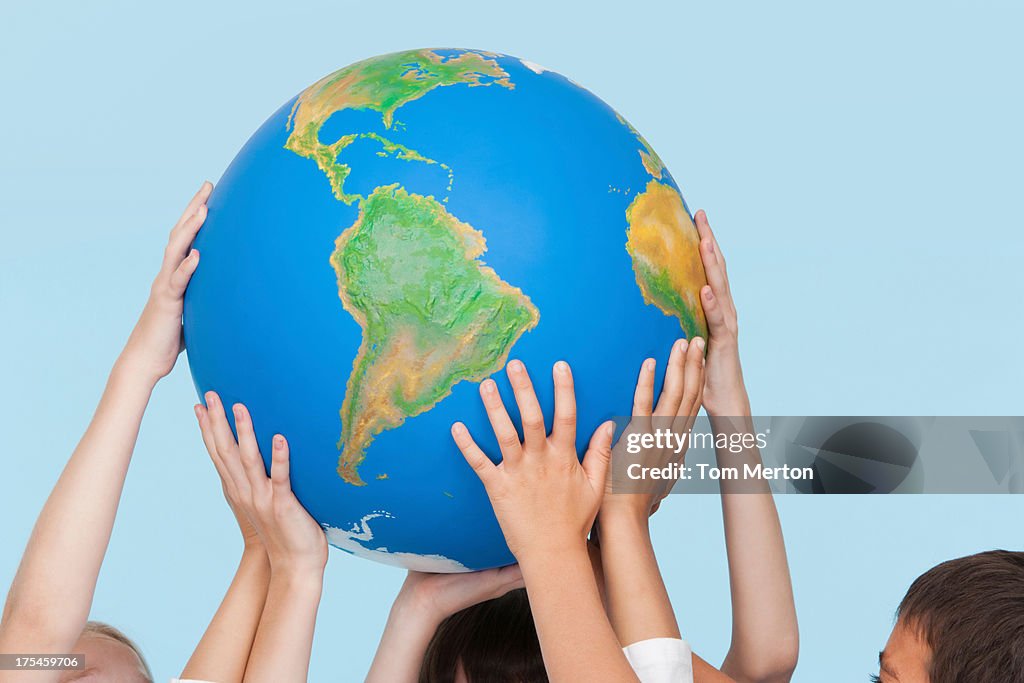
(388, 239)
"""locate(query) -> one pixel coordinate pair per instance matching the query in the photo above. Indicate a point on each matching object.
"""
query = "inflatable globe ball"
(388, 239)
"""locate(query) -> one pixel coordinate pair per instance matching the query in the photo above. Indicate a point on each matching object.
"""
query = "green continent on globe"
(431, 312)
(665, 247)
(381, 84)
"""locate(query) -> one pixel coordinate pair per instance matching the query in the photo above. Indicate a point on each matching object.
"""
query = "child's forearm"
(403, 645)
(765, 640)
(576, 640)
(50, 598)
(705, 673)
(284, 640)
(638, 604)
(224, 650)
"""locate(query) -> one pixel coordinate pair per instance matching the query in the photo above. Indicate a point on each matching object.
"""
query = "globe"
(388, 239)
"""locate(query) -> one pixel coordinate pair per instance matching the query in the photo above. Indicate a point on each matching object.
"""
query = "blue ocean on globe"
(392, 236)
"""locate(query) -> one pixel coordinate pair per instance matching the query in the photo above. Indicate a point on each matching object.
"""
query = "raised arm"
(765, 640)
(50, 598)
(296, 546)
(637, 600)
(546, 502)
(423, 603)
(223, 651)
(638, 603)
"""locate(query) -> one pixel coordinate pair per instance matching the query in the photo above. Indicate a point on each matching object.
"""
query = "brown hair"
(98, 628)
(970, 611)
(494, 642)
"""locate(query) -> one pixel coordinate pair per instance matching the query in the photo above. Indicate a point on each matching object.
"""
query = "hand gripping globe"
(388, 239)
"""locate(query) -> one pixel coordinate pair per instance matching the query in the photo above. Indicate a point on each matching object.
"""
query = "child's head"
(962, 620)
(494, 641)
(111, 654)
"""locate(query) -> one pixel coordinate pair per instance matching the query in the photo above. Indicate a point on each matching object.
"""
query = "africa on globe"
(388, 239)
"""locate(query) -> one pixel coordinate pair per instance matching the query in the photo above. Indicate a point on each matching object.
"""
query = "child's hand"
(676, 409)
(725, 395)
(424, 602)
(544, 499)
(294, 542)
(156, 341)
(250, 538)
(438, 596)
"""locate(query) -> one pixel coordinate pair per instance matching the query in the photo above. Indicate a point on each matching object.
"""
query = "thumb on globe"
(714, 313)
(599, 454)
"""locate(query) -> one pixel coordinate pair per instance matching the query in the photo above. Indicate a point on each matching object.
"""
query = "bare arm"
(51, 595)
(223, 651)
(403, 644)
(638, 602)
(284, 640)
(546, 502)
(702, 671)
(50, 598)
(576, 639)
(295, 544)
(765, 639)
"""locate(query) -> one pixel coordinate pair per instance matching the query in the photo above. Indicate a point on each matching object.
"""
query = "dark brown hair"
(970, 611)
(495, 642)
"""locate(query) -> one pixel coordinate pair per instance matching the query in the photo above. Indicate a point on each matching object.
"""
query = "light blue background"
(861, 165)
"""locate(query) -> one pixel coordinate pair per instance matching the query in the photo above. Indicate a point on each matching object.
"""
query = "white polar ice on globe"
(535, 68)
(352, 541)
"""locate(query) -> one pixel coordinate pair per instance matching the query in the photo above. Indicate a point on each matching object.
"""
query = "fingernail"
(278, 442)
(516, 366)
(609, 429)
(700, 343)
(458, 429)
(488, 386)
(211, 398)
(237, 410)
(197, 411)
(681, 345)
(562, 367)
(650, 364)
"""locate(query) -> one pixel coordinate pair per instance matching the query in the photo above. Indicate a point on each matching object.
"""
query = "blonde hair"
(98, 628)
